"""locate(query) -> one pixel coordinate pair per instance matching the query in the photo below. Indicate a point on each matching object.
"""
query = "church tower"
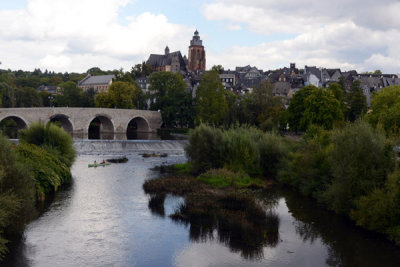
(197, 54)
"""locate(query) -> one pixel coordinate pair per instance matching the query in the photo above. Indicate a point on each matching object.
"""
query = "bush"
(380, 210)
(360, 161)
(49, 172)
(273, 151)
(17, 195)
(51, 137)
(204, 149)
(240, 149)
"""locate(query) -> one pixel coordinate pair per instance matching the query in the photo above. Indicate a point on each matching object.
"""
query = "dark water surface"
(103, 219)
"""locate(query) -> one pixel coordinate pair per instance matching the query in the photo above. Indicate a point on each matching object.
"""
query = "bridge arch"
(135, 126)
(101, 127)
(11, 125)
(64, 122)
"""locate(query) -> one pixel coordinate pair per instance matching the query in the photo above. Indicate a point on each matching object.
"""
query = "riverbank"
(351, 170)
(30, 173)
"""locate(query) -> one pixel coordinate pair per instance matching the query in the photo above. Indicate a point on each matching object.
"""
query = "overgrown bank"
(29, 172)
(352, 170)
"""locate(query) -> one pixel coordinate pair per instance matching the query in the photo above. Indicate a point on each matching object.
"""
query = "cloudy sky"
(75, 35)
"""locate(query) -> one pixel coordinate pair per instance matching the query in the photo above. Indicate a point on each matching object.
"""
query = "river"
(103, 219)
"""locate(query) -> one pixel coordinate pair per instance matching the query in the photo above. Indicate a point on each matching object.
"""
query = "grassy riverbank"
(29, 172)
(352, 170)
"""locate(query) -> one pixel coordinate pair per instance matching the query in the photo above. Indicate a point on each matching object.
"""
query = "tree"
(322, 109)
(218, 68)
(385, 110)
(264, 105)
(356, 102)
(71, 95)
(296, 108)
(119, 95)
(211, 103)
(170, 96)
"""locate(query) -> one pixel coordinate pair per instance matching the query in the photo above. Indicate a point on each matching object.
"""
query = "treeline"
(29, 172)
(18, 88)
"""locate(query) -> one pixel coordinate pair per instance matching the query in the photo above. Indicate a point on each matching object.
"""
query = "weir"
(110, 147)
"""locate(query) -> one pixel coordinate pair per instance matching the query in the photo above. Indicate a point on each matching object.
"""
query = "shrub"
(204, 149)
(51, 137)
(360, 161)
(17, 196)
(380, 210)
(273, 150)
(240, 150)
(49, 172)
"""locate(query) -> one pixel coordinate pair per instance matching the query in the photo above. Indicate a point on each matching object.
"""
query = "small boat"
(98, 164)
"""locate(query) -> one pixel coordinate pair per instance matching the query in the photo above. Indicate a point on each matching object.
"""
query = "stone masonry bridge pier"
(81, 121)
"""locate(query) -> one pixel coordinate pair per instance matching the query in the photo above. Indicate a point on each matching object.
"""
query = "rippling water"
(103, 219)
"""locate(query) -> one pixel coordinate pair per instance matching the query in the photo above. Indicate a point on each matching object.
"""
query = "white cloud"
(345, 33)
(75, 35)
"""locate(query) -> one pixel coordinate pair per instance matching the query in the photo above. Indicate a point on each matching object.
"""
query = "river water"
(104, 219)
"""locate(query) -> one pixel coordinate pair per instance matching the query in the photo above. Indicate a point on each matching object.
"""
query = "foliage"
(17, 195)
(356, 102)
(385, 110)
(265, 106)
(297, 108)
(380, 209)
(321, 108)
(307, 167)
(52, 138)
(169, 95)
(218, 68)
(49, 171)
(226, 178)
(204, 148)
(119, 95)
(240, 151)
(237, 149)
(312, 105)
(211, 102)
(71, 95)
(360, 161)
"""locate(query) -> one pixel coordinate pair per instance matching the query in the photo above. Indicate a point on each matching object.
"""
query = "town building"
(197, 54)
(51, 89)
(170, 62)
(98, 83)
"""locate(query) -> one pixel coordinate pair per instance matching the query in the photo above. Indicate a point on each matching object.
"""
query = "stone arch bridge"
(78, 121)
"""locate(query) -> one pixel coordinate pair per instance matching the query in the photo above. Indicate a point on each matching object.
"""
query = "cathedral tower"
(197, 54)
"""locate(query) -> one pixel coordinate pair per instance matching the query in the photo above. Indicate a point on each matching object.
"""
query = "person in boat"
(103, 162)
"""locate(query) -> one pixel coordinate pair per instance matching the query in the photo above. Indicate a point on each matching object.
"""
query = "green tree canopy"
(119, 95)
(385, 109)
(356, 102)
(170, 96)
(264, 105)
(211, 103)
(71, 95)
(312, 105)
(297, 108)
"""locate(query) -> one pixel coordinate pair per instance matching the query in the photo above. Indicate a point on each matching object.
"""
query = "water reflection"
(235, 221)
(347, 245)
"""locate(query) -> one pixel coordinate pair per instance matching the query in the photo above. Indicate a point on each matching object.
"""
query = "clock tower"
(197, 54)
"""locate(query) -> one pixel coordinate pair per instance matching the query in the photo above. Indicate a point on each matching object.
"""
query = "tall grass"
(237, 149)
(52, 138)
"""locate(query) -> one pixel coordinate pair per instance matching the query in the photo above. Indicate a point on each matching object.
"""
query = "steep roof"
(156, 60)
(101, 79)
